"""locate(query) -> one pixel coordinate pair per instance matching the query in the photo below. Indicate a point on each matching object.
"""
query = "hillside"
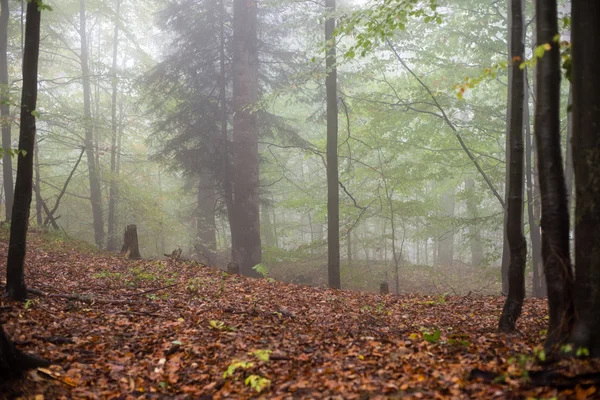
(169, 329)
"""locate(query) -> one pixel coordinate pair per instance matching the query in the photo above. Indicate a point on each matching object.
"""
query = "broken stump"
(130, 242)
(384, 288)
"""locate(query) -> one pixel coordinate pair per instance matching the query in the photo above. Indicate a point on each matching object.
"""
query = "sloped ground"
(135, 340)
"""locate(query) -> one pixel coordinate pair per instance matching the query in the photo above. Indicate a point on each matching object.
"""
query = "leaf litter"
(148, 329)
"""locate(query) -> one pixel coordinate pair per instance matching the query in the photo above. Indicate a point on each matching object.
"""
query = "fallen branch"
(151, 290)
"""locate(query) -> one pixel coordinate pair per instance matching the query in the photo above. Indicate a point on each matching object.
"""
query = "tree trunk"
(586, 145)
(205, 221)
(5, 120)
(15, 277)
(13, 361)
(95, 189)
(555, 215)
(333, 196)
(130, 242)
(246, 221)
(38, 189)
(514, 212)
(446, 240)
(113, 191)
(534, 229)
(474, 235)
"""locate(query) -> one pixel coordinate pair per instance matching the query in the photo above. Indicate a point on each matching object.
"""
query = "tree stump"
(233, 268)
(384, 288)
(130, 242)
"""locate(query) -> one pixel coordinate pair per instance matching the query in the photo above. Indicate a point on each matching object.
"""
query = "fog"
(209, 131)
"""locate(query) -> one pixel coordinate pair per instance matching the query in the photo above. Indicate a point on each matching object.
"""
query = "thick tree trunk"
(555, 215)
(246, 221)
(95, 189)
(534, 229)
(333, 196)
(7, 172)
(130, 242)
(15, 277)
(113, 191)
(514, 212)
(474, 235)
(586, 144)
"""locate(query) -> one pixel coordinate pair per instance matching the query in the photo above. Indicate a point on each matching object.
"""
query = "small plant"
(108, 275)
(262, 270)
(220, 326)
(194, 285)
(432, 337)
(262, 355)
(257, 382)
(236, 364)
(28, 303)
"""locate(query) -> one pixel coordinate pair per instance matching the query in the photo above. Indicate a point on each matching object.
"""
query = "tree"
(555, 215)
(95, 188)
(586, 147)
(7, 172)
(514, 220)
(245, 227)
(15, 277)
(111, 244)
(333, 196)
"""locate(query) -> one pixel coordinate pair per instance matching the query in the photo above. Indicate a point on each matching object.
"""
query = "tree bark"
(113, 191)
(205, 219)
(333, 195)
(5, 120)
(586, 145)
(95, 189)
(555, 215)
(514, 222)
(13, 361)
(15, 277)
(246, 223)
(38, 188)
(534, 229)
(474, 235)
(446, 239)
(130, 242)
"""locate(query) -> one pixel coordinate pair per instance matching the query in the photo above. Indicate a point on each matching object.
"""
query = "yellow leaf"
(547, 46)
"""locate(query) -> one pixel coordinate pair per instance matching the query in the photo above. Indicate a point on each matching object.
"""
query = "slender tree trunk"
(555, 215)
(246, 223)
(113, 191)
(534, 229)
(206, 223)
(586, 145)
(514, 224)
(333, 196)
(474, 236)
(95, 189)
(7, 172)
(446, 240)
(38, 190)
(349, 247)
(15, 277)
(569, 172)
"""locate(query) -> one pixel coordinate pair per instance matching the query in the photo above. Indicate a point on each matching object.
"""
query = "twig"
(151, 290)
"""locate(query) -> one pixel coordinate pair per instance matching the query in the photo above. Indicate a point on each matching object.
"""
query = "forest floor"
(116, 328)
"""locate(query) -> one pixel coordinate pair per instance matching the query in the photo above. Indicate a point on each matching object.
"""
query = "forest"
(299, 199)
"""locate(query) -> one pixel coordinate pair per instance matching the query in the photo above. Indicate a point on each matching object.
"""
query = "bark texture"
(130, 242)
(7, 173)
(246, 221)
(95, 189)
(586, 145)
(514, 221)
(555, 215)
(15, 278)
(333, 195)
(111, 244)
